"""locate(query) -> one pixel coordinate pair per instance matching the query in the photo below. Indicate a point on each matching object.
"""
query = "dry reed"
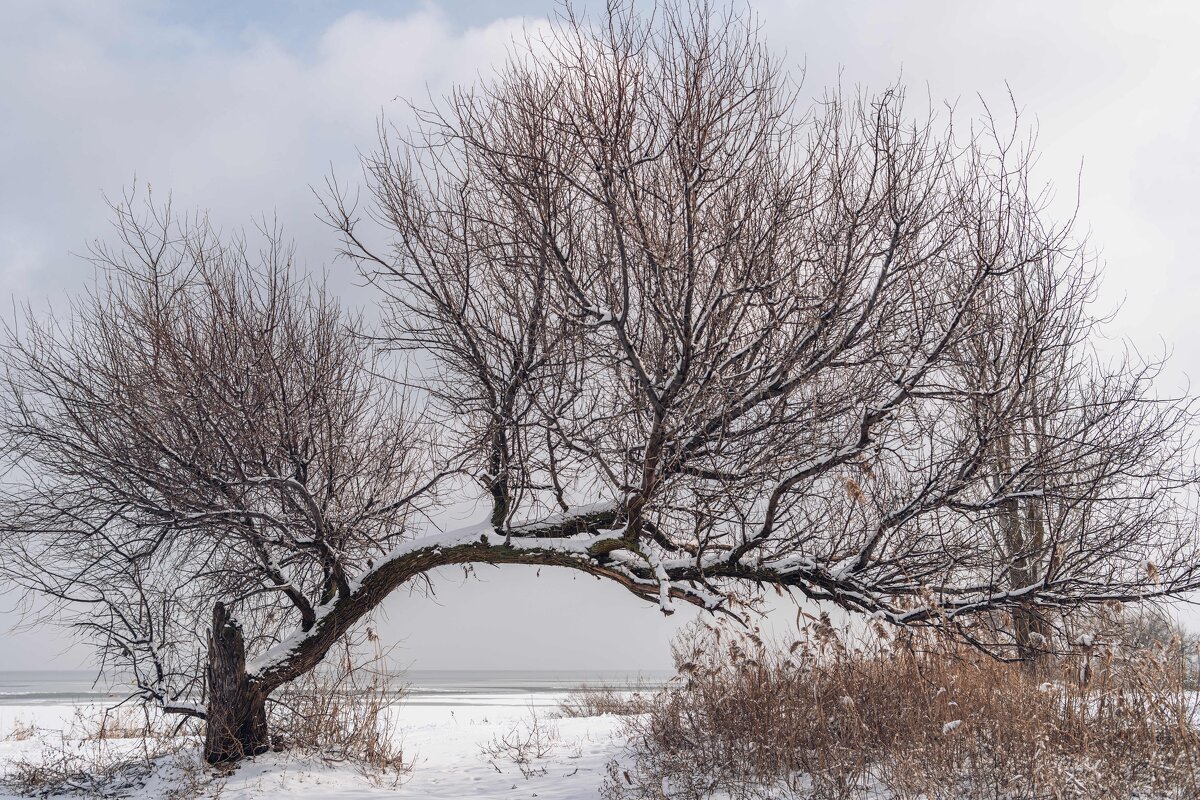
(911, 718)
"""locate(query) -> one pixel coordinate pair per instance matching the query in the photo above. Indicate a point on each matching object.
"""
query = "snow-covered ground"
(450, 743)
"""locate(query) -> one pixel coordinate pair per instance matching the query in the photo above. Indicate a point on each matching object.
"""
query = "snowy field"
(449, 741)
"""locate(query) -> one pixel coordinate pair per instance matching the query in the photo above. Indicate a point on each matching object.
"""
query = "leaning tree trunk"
(237, 705)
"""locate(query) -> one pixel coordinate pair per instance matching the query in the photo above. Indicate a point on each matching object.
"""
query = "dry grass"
(108, 753)
(595, 701)
(123, 722)
(21, 731)
(344, 713)
(911, 719)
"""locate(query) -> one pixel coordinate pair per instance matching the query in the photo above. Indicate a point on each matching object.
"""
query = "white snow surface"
(444, 742)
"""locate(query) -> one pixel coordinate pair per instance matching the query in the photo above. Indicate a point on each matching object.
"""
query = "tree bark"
(1031, 628)
(1032, 633)
(237, 710)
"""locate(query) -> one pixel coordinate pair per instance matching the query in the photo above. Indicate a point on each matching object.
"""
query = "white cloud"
(90, 101)
(1112, 87)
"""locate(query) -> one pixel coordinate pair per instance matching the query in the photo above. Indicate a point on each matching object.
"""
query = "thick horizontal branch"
(582, 542)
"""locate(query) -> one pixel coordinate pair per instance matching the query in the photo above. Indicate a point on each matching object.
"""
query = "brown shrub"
(910, 718)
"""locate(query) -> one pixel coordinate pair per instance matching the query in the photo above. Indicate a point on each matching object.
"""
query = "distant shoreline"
(421, 687)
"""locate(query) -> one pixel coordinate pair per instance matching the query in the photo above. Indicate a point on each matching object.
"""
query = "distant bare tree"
(1084, 451)
(682, 334)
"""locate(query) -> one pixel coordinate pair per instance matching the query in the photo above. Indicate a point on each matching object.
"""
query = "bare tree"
(1072, 437)
(683, 335)
(201, 437)
(841, 350)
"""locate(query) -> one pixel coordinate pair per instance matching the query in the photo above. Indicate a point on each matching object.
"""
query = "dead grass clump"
(595, 701)
(21, 731)
(108, 753)
(910, 719)
(344, 713)
(123, 722)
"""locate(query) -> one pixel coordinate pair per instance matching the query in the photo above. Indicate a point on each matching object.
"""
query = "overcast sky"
(239, 107)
